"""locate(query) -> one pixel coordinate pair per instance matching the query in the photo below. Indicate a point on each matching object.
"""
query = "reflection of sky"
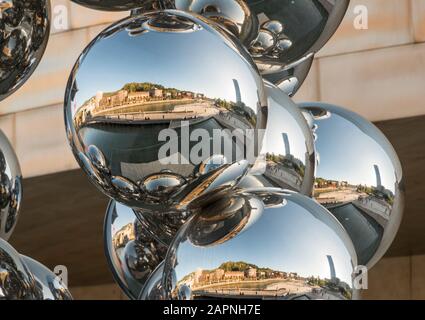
(348, 154)
(289, 240)
(280, 121)
(196, 61)
(125, 216)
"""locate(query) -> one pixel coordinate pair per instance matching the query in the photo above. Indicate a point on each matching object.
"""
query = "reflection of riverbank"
(284, 176)
(266, 289)
(334, 196)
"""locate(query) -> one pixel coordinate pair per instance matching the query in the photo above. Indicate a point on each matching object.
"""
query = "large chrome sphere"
(16, 281)
(186, 91)
(261, 243)
(46, 281)
(132, 251)
(279, 33)
(359, 178)
(10, 188)
(24, 32)
(288, 158)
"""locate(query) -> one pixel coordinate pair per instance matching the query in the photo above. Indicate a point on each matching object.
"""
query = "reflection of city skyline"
(247, 279)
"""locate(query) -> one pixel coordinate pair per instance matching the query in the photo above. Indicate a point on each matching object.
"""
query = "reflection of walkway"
(283, 175)
(255, 289)
(337, 195)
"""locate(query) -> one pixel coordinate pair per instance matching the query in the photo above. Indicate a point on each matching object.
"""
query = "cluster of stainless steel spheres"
(220, 185)
(24, 32)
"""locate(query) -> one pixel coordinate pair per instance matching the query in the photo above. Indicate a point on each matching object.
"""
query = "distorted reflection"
(153, 288)
(132, 251)
(153, 119)
(50, 285)
(359, 178)
(10, 188)
(24, 31)
(261, 243)
(16, 281)
(288, 157)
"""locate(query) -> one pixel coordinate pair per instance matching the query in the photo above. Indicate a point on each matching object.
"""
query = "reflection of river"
(364, 231)
(137, 143)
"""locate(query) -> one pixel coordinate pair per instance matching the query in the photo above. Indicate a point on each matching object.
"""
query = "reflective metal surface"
(16, 281)
(261, 243)
(119, 5)
(234, 15)
(46, 281)
(132, 251)
(153, 287)
(279, 33)
(135, 122)
(291, 31)
(359, 178)
(288, 158)
(10, 188)
(24, 31)
(291, 80)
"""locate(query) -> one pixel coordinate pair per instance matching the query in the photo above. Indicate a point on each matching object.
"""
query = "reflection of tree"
(288, 162)
(334, 285)
(238, 108)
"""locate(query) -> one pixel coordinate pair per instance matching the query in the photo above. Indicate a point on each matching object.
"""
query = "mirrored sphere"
(261, 243)
(234, 15)
(10, 188)
(359, 178)
(119, 5)
(24, 32)
(16, 281)
(153, 287)
(281, 33)
(136, 124)
(46, 281)
(287, 158)
(132, 251)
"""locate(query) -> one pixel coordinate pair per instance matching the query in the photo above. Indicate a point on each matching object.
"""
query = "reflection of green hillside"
(334, 285)
(242, 266)
(147, 86)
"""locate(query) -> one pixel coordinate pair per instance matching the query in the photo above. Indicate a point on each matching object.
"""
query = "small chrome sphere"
(48, 283)
(133, 252)
(10, 188)
(16, 280)
(233, 15)
(282, 33)
(261, 243)
(288, 158)
(359, 178)
(153, 287)
(168, 108)
(24, 32)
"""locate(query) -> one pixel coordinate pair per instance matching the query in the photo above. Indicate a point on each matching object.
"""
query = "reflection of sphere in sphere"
(24, 31)
(233, 15)
(153, 287)
(46, 281)
(16, 281)
(10, 188)
(165, 109)
(359, 178)
(288, 157)
(261, 236)
(132, 251)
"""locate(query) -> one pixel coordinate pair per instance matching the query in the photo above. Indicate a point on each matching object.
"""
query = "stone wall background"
(378, 72)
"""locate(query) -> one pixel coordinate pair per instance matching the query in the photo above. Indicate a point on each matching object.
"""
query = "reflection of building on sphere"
(221, 252)
(115, 124)
(359, 178)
